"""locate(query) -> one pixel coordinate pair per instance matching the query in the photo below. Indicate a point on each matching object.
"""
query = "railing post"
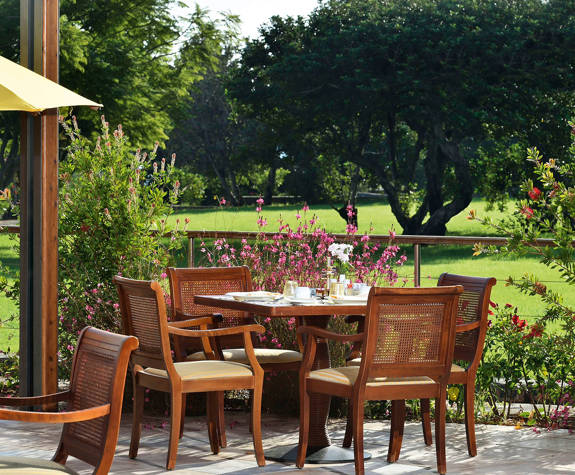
(190, 251)
(417, 265)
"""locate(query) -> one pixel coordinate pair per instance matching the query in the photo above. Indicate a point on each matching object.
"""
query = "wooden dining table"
(317, 314)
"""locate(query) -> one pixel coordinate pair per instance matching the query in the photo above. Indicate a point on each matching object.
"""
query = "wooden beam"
(39, 210)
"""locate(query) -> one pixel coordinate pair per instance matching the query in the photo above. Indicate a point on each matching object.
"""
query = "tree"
(410, 90)
(134, 57)
(9, 127)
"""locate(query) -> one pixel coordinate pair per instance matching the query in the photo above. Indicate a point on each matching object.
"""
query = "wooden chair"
(407, 353)
(185, 283)
(92, 418)
(471, 329)
(144, 315)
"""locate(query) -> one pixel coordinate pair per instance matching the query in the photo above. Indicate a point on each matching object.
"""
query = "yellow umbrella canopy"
(24, 90)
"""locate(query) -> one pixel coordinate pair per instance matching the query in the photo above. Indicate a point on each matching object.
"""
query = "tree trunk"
(270, 184)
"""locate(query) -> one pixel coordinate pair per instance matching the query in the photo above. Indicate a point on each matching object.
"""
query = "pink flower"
(305, 208)
(163, 275)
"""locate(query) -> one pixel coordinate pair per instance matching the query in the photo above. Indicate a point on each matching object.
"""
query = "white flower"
(340, 251)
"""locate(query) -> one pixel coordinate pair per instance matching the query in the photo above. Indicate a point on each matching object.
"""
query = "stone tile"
(502, 450)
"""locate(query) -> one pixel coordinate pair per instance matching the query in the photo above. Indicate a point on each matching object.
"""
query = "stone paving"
(502, 449)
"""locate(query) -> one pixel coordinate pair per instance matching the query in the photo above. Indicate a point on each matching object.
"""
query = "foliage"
(524, 362)
(113, 210)
(192, 185)
(395, 89)
(549, 211)
(135, 57)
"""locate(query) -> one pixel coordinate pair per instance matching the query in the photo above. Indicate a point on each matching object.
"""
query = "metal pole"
(417, 265)
(190, 252)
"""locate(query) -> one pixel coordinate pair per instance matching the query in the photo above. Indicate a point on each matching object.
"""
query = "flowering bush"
(301, 254)
(523, 362)
(112, 220)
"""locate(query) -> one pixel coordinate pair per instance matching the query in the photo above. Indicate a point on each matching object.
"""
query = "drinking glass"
(289, 288)
(337, 289)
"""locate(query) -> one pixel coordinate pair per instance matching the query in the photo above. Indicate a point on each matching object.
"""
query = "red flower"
(536, 331)
(527, 212)
(535, 193)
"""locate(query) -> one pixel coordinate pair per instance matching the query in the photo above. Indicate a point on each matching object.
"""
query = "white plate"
(260, 295)
(302, 301)
(349, 300)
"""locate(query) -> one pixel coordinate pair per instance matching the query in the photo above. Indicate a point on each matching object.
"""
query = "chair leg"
(139, 394)
(60, 456)
(357, 417)
(469, 406)
(426, 421)
(184, 401)
(257, 424)
(212, 416)
(396, 433)
(221, 421)
(304, 415)
(440, 411)
(348, 428)
(175, 419)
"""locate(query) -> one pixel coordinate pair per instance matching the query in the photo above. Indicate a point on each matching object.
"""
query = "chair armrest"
(35, 400)
(55, 417)
(217, 317)
(465, 327)
(321, 333)
(217, 332)
(193, 322)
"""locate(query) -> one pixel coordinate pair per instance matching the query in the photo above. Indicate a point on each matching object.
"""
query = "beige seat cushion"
(26, 466)
(205, 370)
(263, 355)
(454, 368)
(348, 374)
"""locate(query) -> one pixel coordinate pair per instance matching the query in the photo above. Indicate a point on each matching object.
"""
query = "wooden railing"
(415, 240)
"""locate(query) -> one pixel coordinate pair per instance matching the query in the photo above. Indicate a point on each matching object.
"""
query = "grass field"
(434, 259)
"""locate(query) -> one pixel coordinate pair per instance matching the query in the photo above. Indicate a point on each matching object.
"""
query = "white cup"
(302, 293)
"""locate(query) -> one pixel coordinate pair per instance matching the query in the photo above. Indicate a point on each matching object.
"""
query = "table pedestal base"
(329, 454)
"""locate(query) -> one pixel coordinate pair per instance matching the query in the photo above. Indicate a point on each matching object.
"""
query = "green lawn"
(435, 259)
(8, 328)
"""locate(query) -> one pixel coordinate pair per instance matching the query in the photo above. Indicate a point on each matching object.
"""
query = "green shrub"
(113, 209)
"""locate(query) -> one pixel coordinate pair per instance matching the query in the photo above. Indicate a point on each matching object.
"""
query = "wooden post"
(39, 208)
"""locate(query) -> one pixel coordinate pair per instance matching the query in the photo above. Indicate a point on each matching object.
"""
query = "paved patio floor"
(502, 450)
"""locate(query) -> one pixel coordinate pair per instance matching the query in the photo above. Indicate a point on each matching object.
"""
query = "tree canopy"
(410, 90)
(134, 57)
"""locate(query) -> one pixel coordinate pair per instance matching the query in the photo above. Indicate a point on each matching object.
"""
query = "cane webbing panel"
(408, 333)
(145, 322)
(93, 378)
(468, 311)
(189, 289)
(216, 286)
